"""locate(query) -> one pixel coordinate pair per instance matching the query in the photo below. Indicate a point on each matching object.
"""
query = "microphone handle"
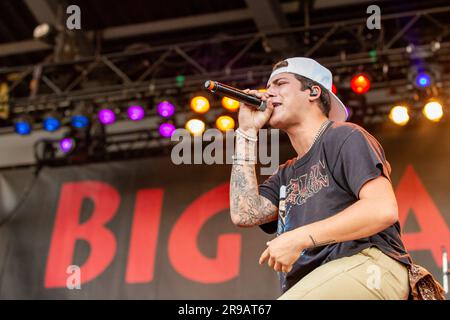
(237, 94)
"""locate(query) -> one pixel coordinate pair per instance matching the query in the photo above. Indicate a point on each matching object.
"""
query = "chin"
(276, 122)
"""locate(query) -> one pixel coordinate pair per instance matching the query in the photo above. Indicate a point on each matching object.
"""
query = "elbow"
(235, 217)
(237, 220)
(390, 214)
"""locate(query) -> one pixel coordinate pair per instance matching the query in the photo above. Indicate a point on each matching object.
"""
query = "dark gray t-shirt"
(325, 181)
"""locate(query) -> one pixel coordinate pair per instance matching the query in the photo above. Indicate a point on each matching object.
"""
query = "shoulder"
(349, 137)
(340, 132)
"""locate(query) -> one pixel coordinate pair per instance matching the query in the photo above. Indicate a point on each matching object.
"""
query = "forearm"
(364, 218)
(247, 207)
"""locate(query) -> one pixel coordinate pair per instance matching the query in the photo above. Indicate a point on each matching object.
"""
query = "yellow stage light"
(200, 104)
(225, 123)
(230, 104)
(433, 111)
(399, 115)
(195, 126)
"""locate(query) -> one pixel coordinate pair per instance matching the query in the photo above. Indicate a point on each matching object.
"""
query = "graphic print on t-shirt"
(300, 189)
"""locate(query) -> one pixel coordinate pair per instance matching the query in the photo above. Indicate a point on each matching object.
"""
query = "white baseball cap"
(313, 70)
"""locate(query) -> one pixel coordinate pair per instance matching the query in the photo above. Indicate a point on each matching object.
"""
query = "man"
(338, 232)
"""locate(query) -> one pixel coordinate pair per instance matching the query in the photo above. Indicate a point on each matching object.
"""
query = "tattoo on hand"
(320, 244)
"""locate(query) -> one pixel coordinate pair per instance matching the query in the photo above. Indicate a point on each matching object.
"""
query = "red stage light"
(360, 83)
(333, 88)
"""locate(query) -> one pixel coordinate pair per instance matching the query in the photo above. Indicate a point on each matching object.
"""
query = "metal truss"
(151, 71)
(100, 147)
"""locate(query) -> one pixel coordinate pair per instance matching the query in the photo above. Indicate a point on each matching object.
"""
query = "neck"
(302, 135)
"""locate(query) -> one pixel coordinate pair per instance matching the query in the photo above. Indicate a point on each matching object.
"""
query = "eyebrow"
(276, 80)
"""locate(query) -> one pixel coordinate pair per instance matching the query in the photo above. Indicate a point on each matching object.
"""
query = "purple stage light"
(166, 129)
(66, 144)
(106, 116)
(136, 113)
(166, 109)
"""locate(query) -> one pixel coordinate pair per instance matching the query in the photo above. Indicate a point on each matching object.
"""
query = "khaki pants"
(368, 275)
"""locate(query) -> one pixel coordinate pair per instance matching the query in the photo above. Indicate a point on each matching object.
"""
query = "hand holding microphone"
(255, 108)
(236, 94)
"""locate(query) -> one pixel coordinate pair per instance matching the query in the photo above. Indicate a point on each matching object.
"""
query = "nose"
(271, 92)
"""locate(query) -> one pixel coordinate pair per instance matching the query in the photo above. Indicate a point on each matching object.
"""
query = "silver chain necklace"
(318, 134)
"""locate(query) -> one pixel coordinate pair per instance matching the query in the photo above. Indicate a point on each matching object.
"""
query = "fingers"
(265, 255)
(262, 95)
(286, 269)
(278, 267)
(271, 262)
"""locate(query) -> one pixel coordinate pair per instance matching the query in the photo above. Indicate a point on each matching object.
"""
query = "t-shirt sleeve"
(360, 159)
(270, 189)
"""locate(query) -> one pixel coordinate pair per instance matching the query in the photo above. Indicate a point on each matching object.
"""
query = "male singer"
(333, 206)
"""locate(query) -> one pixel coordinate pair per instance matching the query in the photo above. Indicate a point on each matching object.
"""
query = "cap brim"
(338, 111)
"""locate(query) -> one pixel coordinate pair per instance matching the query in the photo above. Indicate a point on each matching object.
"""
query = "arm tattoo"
(320, 244)
(247, 206)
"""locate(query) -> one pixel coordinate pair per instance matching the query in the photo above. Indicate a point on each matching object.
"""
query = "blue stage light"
(79, 121)
(51, 123)
(423, 80)
(22, 127)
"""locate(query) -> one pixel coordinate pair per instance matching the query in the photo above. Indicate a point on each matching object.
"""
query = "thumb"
(269, 106)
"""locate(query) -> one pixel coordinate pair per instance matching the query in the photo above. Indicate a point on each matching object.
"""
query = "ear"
(316, 91)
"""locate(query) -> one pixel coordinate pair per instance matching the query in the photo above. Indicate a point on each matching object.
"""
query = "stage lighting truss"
(116, 146)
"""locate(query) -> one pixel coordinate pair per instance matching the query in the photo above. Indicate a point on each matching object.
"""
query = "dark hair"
(324, 99)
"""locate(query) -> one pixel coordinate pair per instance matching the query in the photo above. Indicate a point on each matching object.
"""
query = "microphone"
(236, 94)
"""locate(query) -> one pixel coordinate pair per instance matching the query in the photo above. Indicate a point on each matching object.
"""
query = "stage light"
(79, 121)
(106, 116)
(225, 123)
(230, 104)
(180, 80)
(433, 111)
(333, 89)
(136, 113)
(66, 145)
(423, 80)
(360, 83)
(195, 126)
(165, 109)
(399, 115)
(79, 118)
(51, 122)
(22, 125)
(166, 129)
(4, 100)
(44, 31)
(200, 104)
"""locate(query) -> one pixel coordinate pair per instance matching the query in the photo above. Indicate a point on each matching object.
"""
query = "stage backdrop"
(148, 229)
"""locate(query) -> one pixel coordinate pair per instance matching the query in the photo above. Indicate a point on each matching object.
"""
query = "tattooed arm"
(248, 208)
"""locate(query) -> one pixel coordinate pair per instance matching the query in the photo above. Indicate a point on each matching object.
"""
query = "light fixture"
(195, 126)
(433, 111)
(399, 115)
